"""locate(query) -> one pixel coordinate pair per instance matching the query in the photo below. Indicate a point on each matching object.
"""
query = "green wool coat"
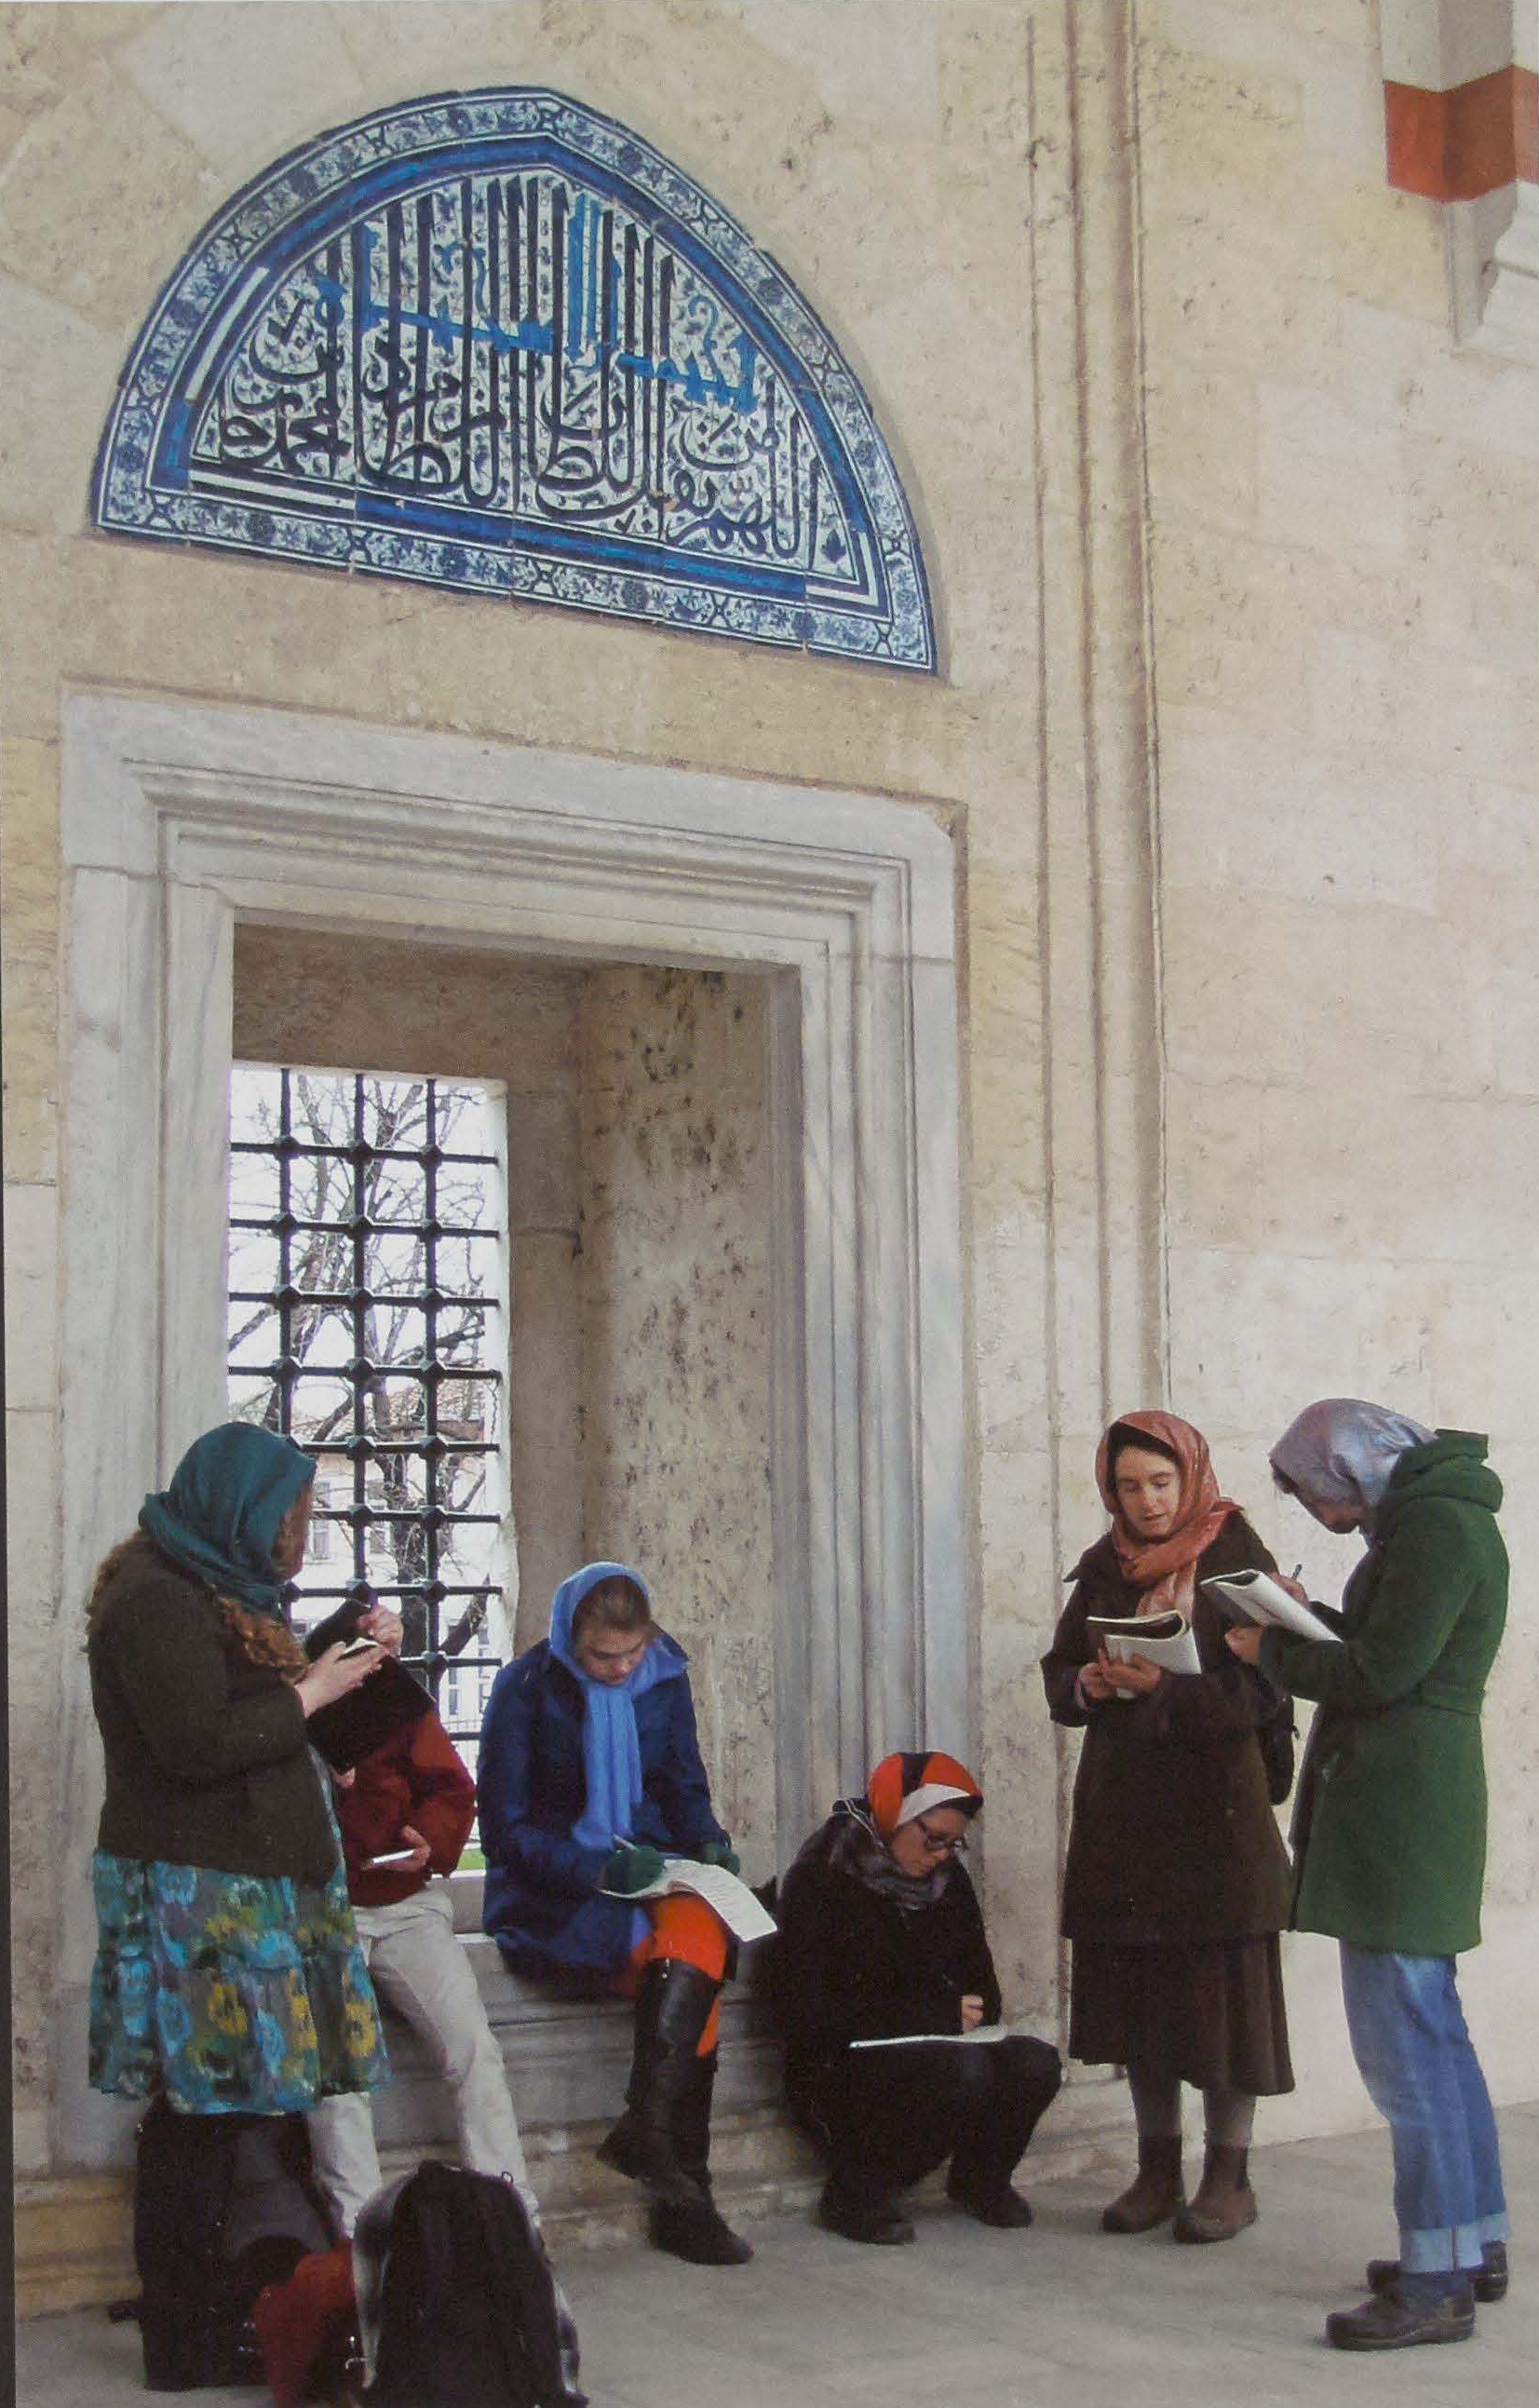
(1389, 1828)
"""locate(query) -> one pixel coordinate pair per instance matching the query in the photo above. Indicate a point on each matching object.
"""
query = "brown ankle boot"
(1224, 2203)
(1156, 2195)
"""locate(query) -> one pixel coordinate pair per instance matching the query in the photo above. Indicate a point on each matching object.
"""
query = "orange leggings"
(687, 1928)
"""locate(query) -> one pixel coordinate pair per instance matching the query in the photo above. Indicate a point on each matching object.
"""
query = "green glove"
(628, 1869)
(723, 1852)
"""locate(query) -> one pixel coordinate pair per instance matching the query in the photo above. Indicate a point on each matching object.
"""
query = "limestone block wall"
(675, 1346)
(1343, 583)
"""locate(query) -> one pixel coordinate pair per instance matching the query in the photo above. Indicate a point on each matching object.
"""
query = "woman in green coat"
(1389, 1831)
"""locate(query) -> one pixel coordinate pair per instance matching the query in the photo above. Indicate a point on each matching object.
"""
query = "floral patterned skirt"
(228, 1992)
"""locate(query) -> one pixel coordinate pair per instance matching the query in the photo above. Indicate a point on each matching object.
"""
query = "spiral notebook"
(1262, 1599)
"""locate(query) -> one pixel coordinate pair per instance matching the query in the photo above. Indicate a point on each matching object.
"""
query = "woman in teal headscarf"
(228, 1983)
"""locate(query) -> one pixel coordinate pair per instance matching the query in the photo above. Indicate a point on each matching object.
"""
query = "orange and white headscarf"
(854, 1838)
(1165, 1569)
(905, 1785)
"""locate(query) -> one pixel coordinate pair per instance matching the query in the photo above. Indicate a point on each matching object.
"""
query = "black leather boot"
(1488, 2281)
(1400, 2317)
(700, 2234)
(673, 2003)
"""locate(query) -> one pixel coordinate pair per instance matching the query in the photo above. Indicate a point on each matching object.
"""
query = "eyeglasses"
(934, 1845)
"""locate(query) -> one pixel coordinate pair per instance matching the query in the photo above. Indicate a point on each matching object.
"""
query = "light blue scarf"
(611, 1753)
(1344, 1452)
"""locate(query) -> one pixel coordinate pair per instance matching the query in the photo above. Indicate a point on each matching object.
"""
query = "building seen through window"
(368, 1321)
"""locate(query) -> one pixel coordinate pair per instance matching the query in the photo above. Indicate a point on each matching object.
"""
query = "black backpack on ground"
(222, 2205)
(465, 2310)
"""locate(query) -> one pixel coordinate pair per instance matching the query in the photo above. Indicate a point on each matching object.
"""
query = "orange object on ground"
(297, 2321)
(684, 1926)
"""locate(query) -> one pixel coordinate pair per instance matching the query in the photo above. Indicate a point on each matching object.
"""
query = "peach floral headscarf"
(1165, 1568)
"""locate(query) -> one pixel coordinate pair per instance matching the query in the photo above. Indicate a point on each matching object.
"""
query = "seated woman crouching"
(881, 1937)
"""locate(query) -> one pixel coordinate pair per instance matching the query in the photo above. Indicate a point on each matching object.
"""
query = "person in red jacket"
(403, 1794)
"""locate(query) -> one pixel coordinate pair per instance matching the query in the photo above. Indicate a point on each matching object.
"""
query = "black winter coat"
(1173, 1838)
(853, 1965)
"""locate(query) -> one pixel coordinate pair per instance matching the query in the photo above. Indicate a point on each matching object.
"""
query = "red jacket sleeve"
(416, 1777)
(443, 1795)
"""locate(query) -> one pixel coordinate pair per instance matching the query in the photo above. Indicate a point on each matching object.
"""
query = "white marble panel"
(947, 1581)
(195, 1180)
(293, 764)
(32, 1298)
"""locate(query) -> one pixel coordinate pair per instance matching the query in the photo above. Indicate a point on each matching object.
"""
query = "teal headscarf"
(220, 1516)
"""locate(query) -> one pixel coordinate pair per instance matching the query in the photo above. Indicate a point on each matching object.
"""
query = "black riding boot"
(191, 2337)
(673, 2003)
(698, 2233)
(1005, 2090)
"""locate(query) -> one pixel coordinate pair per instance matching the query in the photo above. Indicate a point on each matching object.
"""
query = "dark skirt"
(1210, 2013)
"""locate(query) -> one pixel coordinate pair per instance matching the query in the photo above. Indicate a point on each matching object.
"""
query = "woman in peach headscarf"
(1177, 1883)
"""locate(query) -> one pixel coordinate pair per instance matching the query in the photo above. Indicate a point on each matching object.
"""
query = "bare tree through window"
(368, 1320)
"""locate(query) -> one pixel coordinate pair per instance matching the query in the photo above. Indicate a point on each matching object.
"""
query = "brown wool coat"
(1173, 1838)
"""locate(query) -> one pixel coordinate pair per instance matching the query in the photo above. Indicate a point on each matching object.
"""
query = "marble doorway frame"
(180, 819)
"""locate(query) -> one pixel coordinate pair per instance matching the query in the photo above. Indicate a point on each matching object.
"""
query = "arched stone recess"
(493, 340)
(179, 821)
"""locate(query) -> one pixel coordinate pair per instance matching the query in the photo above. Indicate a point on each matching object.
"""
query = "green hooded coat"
(1389, 1828)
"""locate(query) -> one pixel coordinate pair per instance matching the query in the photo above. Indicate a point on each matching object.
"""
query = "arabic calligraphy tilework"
(495, 342)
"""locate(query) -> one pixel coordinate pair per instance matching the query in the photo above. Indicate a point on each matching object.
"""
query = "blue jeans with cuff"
(1415, 2054)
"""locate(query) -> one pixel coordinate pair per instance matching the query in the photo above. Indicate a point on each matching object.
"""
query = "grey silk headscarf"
(1343, 1452)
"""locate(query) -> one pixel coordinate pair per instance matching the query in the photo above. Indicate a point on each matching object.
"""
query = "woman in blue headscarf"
(228, 1983)
(590, 1774)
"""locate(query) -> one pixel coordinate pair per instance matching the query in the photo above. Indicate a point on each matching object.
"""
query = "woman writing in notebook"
(882, 1939)
(590, 1774)
(1391, 1828)
(1177, 1883)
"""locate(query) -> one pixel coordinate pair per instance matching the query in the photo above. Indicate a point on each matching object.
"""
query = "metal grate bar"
(444, 1616)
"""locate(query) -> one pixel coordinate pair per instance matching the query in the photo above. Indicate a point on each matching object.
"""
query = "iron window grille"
(367, 1259)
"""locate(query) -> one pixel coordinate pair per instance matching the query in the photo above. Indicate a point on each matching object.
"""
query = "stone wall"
(1233, 571)
(1343, 591)
(675, 1347)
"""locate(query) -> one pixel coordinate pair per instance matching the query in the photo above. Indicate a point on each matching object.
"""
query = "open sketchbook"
(1165, 1638)
(732, 1900)
(1262, 1599)
(981, 2036)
